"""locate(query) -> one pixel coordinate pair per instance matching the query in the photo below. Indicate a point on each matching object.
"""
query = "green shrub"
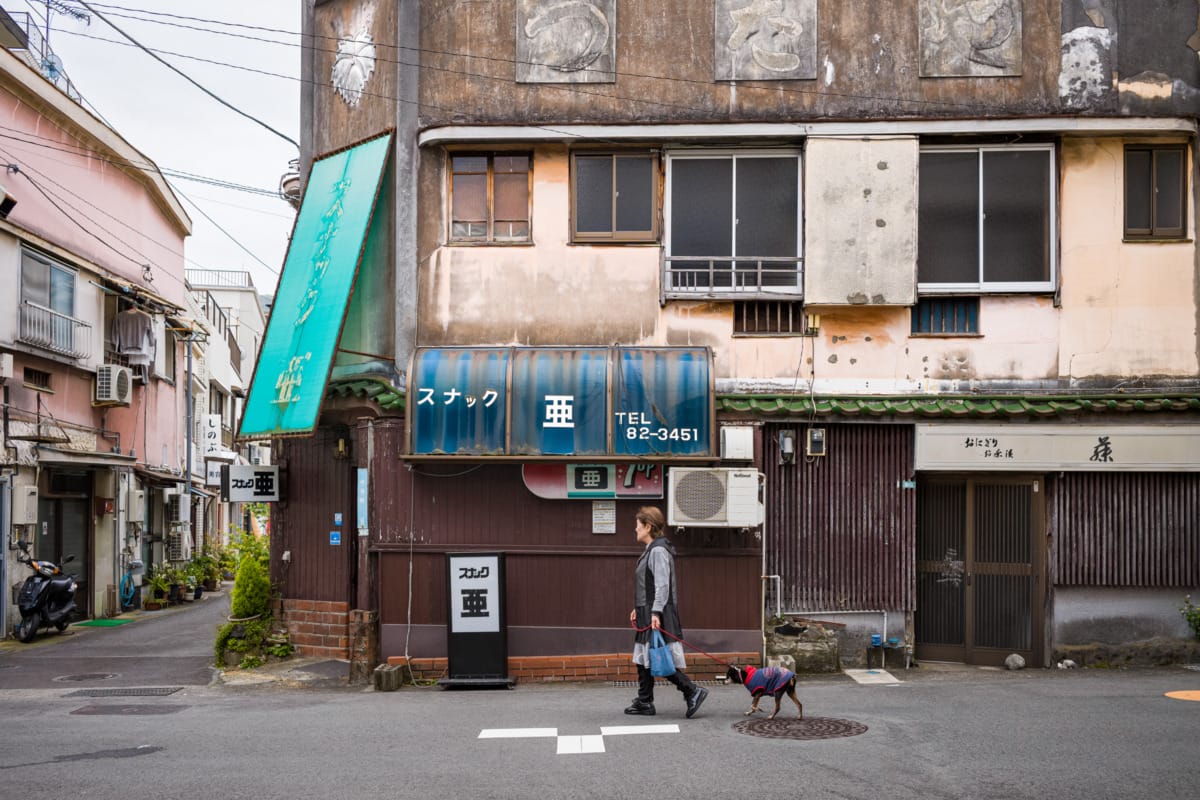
(1192, 614)
(251, 590)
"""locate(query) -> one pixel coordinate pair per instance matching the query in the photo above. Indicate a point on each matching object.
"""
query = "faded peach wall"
(1126, 309)
(1129, 309)
(548, 293)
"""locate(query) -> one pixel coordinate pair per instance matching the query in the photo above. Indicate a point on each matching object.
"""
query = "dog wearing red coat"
(761, 681)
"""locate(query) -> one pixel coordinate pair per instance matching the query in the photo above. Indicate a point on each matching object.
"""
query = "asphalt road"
(169, 647)
(939, 733)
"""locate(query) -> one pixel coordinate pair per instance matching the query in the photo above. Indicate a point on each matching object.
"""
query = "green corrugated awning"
(1029, 406)
(314, 289)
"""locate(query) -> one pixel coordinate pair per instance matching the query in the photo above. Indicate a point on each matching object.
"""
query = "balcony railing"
(235, 352)
(717, 277)
(219, 278)
(45, 328)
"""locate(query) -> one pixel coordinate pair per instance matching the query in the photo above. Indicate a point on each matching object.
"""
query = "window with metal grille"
(733, 224)
(37, 379)
(1155, 196)
(767, 317)
(946, 316)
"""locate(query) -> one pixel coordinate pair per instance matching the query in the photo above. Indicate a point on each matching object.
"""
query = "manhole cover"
(144, 691)
(808, 728)
(87, 676)
(127, 711)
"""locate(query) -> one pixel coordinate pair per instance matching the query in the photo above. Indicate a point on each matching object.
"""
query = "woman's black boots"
(644, 703)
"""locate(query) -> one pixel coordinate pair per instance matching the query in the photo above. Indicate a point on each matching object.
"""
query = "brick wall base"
(599, 667)
(317, 628)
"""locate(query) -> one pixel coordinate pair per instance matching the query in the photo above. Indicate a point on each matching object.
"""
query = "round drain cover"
(807, 728)
(86, 676)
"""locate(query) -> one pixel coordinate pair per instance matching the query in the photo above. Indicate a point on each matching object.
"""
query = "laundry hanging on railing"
(133, 336)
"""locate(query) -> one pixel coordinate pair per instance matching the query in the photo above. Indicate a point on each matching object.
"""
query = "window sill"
(945, 336)
(489, 244)
(770, 335)
(621, 242)
(35, 388)
(1153, 240)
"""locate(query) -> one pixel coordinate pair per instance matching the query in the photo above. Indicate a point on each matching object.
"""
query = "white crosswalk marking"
(569, 745)
(575, 744)
(517, 733)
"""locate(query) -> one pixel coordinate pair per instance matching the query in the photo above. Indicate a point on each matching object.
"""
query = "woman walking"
(655, 607)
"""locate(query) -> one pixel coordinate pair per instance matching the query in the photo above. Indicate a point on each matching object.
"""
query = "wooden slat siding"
(1126, 529)
(560, 574)
(318, 486)
(841, 529)
(578, 591)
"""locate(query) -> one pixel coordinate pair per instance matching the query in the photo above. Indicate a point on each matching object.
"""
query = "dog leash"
(681, 641)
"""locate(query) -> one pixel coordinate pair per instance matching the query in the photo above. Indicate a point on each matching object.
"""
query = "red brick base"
(317, 628)
(599, 667)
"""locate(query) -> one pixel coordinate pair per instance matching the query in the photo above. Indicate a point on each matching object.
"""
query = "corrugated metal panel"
(318, 487)
(841, 528)
(1119, 529)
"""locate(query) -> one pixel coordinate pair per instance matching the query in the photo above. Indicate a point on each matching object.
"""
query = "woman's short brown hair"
(653, 519)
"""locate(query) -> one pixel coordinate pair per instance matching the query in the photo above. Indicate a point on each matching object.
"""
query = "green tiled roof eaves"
(954, 407)
(391, 398)
(382, 393)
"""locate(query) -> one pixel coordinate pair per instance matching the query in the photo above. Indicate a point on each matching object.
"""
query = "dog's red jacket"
(766, 680)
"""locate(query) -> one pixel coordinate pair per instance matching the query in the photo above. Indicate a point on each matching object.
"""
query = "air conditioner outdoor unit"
(114, 385)
(714, 498)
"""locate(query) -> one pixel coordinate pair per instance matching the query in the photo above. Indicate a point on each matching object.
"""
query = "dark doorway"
(63, 530)
(980, 569)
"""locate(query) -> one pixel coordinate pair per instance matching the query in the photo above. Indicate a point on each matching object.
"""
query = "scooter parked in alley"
(47, 597)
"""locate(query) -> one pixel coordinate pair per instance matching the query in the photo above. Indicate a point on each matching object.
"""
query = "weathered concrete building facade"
(940, 258)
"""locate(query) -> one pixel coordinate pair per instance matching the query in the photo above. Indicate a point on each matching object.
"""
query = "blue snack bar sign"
(532, 403)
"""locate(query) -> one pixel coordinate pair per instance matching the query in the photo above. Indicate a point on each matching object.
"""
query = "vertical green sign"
(314, 289)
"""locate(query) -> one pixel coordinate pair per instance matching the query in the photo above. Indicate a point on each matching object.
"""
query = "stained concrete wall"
(860, 221)
(1119, 615)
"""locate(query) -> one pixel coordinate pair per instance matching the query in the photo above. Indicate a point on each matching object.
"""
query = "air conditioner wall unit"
(114, 385)
(715, 498)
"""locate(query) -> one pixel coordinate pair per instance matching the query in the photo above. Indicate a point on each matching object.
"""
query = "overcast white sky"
(180, 128)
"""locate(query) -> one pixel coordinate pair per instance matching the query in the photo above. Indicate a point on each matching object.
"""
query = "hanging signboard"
(314, 288)
(1059, 448)
(564, 403)
(242, 483)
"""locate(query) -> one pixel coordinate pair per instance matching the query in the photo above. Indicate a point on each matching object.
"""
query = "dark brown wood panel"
(320, 484)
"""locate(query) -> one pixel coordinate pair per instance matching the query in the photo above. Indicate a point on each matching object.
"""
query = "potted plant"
(158, 586)
(177, 582)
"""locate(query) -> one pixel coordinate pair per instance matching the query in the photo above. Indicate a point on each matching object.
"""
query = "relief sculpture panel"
(764, 40)
(970, 38)
(566, 41)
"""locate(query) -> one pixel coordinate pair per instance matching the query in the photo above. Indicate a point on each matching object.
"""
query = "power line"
(214, 223)
(187, 77)
(144, 166)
